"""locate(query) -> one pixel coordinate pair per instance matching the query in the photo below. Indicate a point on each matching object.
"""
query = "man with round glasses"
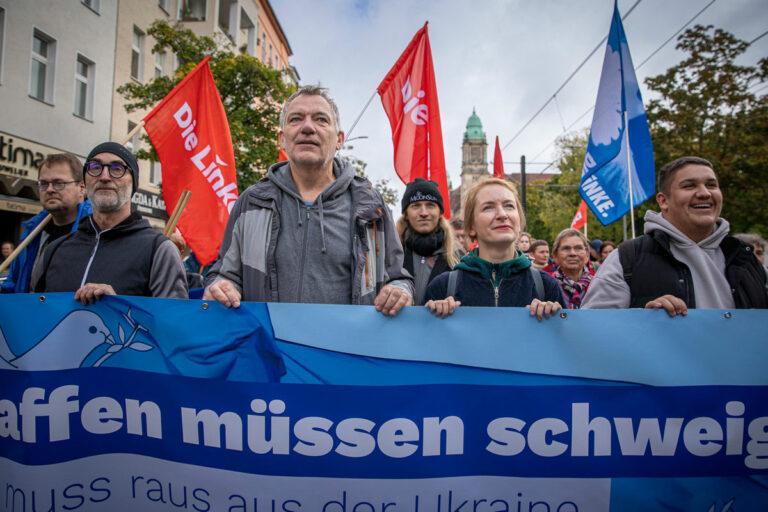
(114, 251)
(62, 195)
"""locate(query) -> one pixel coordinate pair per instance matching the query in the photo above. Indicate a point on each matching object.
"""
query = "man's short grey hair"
(312, 90)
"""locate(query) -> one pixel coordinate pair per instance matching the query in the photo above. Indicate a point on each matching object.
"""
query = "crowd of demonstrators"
(457, 225)
(62, 195)
(605, 249)
(686, 258)
(539, 254)
(427, 238)
(312, 231)
(113, 251)
(495, 273)
(757, 243)
(194, 277)
(571, 267)
(524, 243)
(6, 248)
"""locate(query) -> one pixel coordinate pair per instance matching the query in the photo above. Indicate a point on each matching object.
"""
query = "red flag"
(409, 96)
(580, 219)
(282, 156)
(498, 162)
(190, 132)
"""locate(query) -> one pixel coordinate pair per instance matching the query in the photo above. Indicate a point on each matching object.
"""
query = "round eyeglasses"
(116, 170)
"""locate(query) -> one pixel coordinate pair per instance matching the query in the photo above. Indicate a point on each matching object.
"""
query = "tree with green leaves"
(706, 106)
(251, 92)
(388, 194)
(552, 204)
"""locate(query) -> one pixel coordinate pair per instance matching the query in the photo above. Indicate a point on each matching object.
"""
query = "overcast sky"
(504, 58)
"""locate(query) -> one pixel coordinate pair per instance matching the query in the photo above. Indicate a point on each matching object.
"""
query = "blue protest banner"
(619, 145)
(339, 409)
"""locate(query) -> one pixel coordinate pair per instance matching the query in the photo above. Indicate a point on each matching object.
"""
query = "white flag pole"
(629, 175)
(349, 132)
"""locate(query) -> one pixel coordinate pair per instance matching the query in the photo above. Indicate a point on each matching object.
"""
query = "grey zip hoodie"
(314, 248)
(704, 259)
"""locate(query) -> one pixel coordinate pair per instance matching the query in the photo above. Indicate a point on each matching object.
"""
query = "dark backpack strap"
(538, 282)
(627, 254)
(453, 278)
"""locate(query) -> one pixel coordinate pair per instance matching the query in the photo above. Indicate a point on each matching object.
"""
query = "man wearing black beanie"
(114, 251)
(427, 238)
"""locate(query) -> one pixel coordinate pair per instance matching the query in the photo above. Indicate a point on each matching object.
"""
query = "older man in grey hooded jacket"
(311, 231)
(686, 257)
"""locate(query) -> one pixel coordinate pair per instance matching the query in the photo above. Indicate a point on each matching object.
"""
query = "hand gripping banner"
(190, 133)
(153, 404)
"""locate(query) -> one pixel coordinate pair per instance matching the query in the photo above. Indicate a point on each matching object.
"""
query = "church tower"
(474, 150)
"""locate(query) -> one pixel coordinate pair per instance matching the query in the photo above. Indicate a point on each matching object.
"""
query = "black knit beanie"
(422, 190)
(121, 151)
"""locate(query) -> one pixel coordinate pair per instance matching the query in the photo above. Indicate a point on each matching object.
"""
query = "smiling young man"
(114, 251)
(311, 231)
(686, 259)
(62, 195)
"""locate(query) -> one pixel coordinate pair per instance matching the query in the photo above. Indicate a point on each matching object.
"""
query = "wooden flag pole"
(24, 243)
(35, 232)
(174, 219)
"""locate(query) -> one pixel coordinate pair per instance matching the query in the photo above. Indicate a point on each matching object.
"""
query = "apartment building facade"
(56, 76)
(62, 61)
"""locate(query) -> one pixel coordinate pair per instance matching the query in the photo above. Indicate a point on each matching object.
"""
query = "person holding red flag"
(312, 231)
(409, 96)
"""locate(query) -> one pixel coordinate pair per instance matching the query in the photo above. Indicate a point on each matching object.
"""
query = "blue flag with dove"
(619, 145)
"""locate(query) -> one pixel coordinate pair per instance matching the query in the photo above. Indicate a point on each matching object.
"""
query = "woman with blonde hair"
(571, 267)
(495, 273)
(428, 242)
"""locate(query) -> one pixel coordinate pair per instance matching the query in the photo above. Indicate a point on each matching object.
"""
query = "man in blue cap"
(114, 251)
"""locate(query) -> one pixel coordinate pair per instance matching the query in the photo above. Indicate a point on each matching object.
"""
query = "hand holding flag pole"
(39, 228)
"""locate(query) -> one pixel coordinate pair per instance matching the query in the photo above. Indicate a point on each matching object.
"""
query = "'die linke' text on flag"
(209, 166)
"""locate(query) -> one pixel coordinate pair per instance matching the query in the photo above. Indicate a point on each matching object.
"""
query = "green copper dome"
(474, 128)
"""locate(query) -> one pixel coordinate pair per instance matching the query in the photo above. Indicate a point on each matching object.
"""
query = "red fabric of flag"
(409, 96)
(580, 219)
(282, 156)
(190, 132)
(498, 162)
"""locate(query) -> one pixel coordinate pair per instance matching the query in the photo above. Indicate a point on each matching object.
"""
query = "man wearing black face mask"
(428, 241)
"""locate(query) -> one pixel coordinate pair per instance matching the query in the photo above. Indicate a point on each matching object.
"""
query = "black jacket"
(131, 257)
(651, 271)
(481, 283)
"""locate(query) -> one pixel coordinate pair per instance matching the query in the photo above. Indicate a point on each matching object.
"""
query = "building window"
(135, 141)
(155, 173)
(270, 55)
(247, 34)
(84, 73)
(43, 60)
(137, 55)
(163, 4)
(192, 10)
(160, 63)
(263, 47)
(92, 5)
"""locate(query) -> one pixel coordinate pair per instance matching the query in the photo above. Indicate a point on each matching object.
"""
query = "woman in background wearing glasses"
(571, 267)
